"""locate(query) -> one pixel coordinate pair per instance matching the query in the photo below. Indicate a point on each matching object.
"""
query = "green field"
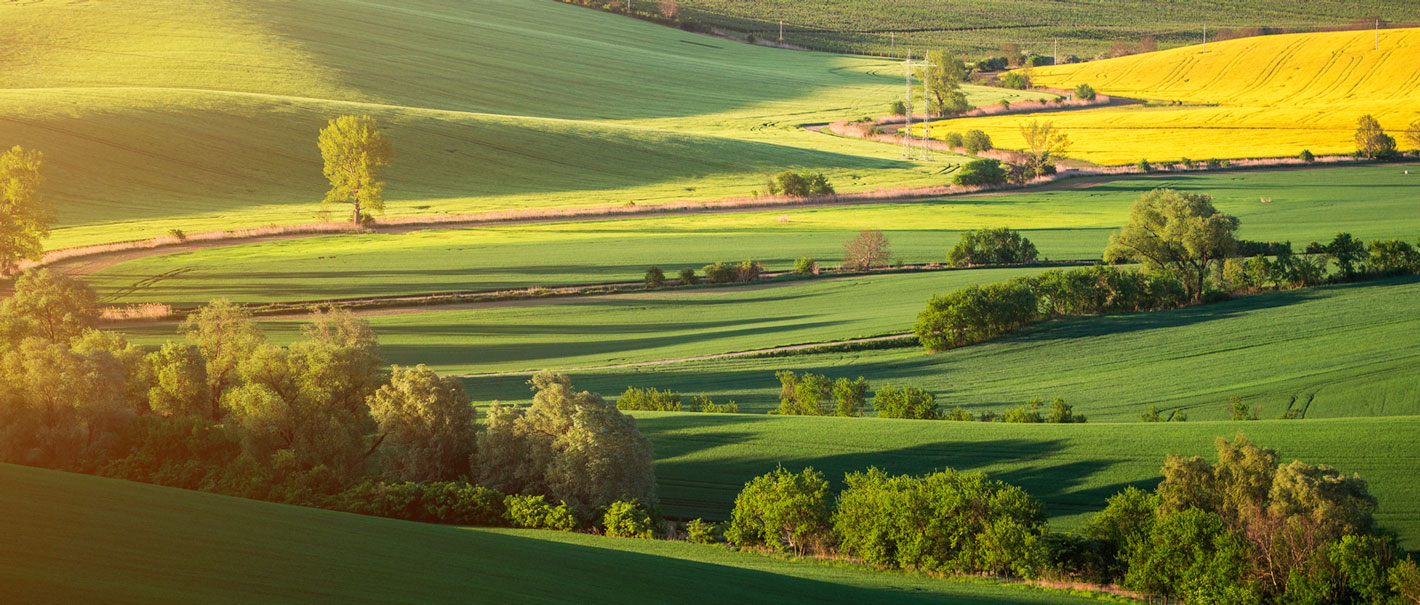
(157, 544)
(703, 460)
(1329, 352)
(979, 27)
(203, 115)
(1371, 202)
(577, 332)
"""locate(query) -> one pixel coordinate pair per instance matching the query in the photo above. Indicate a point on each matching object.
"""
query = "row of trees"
(810, 394)
(227, 411)
(1244, 529)
(656, 400)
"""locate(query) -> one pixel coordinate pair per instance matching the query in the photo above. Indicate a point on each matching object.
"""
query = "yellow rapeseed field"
(1266, 96)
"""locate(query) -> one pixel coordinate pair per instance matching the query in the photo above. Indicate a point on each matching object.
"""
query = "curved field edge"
(149, 543)
(703, 460)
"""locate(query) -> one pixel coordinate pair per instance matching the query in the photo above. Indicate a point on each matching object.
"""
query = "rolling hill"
(1265, 96)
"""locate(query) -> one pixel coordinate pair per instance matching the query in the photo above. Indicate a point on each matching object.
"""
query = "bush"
(534, 512)
(945, 522)
(1063, 413)
(977, 141)
(703, 404)
(699, 531)
(897, 107)
(782, 511)
(1085, 92)
(655, 278)
(800, 184)
(1306, 156)
(811, 394)
(981, 172)
(1145, 166)
(955, 140)
(975, 313)
(1392, 257)
(748, 270)
(1014, 80)
(687, 277)
(905, 402)
(1213, 164)
(1026, 414)
(805, 265)
(719, 273)
(992, 247)
(452, 502)
(627, 519)
(648, 399)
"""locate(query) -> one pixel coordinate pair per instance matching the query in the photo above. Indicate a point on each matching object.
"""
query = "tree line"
(1246, 528)
(319, 422)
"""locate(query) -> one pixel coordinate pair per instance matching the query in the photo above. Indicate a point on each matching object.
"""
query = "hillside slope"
(204, 114)
(75, 538)
(1255, 97)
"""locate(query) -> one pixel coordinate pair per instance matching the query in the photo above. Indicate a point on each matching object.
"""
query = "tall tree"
(354, 150)
(1044, 143)
(225, 335)
(943, 80)
(1371, 139)
(427, 426)
(51, 305)
(1177, 233)
(24, 217)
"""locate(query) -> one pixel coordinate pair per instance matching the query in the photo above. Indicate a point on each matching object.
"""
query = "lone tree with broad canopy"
(944, 79)
(1177, 233)
(353, 150)
(869, 249)
(1044, 143)
(1372, 141)
(24, 217)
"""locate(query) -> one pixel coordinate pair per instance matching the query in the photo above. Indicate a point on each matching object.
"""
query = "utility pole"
(1056, 60)
(1205, 37)
(1378, 33)
(892, 52)
(781, 30)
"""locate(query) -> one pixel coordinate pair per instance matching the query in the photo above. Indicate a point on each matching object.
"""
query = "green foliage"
(1085, 92)
(868, 250)
(1353, 569)
(943, 522)
(1014, 80)
(1063, 413)
(1306, 156)
(782, 511)
(451, 502)
(955, 140)
(1026, 414)
(1125, 523)
(975, 313)
(1240, 410)
(50, 305)
(1001, 246)
(805, 265)
(1044, 144)
(535, 512)
(226, 336)
(699, 531)
(980, 172)
(1145, 166)
(570, 446)
(426, 424)
(1177, 233)
(897, 108)
(800, 184)
(943, 82)
(1151, 415)
(703, 404)
(648, 398)
(654, 278)
(353, 150)
(1404, 580)
(719, 273)
(628, 519)
(849, 396)
(25, 218)
(1347, 252)
(1372, 141)
(818, 395)
(1193, 555)
(178, 375)
(976, 141)
(687, 277)
(905, 402)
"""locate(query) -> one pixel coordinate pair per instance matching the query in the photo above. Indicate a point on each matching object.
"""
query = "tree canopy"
(24, 217)
(1177, 233)
(354, 150)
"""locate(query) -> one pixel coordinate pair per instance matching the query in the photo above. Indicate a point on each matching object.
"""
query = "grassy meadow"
(203, 115)
(149, 543)
(1268, 96)
(1331, 352)
(1071, 222)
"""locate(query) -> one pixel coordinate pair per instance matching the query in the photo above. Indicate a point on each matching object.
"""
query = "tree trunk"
(355, 214)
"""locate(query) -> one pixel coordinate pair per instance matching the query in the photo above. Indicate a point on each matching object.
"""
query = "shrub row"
(463, 503)
(656, 400)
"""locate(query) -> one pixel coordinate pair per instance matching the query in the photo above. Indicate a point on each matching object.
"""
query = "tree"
(1177, 233)
(426, 425)
(804, 394)
(670, 9)
(51, 305)
(976, 141)
(868, 250)
(1371, 140)
(571, 446)
(225, 335)
(1194, 556)
(24, 217)
(800, 184)
(849, 396)
(897, 108)
(1393, 257)
(1412, 135)
(353, 150)
(1085, 92)
(905, 402)
(1347, 252)
(975, 313)
(781, 510)
(177, 379)
(1044, 143)
(1001, 246)
(943, 81)
(980, 172)
(1124, 524)
(655, 278)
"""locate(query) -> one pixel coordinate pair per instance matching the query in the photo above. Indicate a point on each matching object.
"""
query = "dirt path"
(749, 353)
